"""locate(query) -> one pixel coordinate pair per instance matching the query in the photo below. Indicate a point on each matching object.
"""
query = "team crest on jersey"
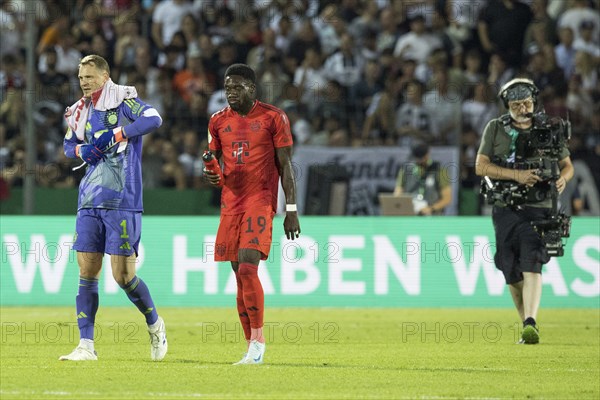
(254, 126)
(112, 117)
(220, 249)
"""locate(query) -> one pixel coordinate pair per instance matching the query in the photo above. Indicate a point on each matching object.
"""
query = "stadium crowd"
(347, 72)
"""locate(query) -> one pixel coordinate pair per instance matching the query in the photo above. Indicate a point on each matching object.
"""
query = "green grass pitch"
(311, 354)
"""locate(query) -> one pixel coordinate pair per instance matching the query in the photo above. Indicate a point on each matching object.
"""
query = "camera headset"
(518, 89)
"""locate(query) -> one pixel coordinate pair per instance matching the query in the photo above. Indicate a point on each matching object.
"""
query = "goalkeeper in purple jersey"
(105, 130)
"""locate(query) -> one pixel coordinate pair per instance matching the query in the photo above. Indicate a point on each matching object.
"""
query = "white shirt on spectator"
(314, 82)
(67, 61)
(346, 70)
(589, 47)
(170, 14)
(573, 17)
(416, 47)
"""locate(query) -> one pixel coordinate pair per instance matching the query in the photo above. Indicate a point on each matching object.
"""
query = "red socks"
(252, 295)
(244, 318)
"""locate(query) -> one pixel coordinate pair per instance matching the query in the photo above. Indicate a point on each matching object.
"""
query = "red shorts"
(251, 230)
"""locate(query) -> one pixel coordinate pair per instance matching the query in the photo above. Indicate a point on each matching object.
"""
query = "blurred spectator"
(208, 51)
(472, 71)
(304, 38)
(259, 54)
(310, 78)
(166, 20)
(51, 35)
(284, 33)
(222, 28)
(194, 78)
(190, 28)
(499, 72)
(271, 80)
(579, 101)
(11, 74)
(172, 172)
(346, 65)
(479, 109)
(542, 69)
(85, 29)
(190, 157)
(332, 104)
(216, 102)
(585, 41)
(330, 26)
(444, 106)
(226, 55)
(11, 29)
(418, 43)
(585, 69)
(462, 18)
(379, 127)
(413, 119)
(198, 112)
(451, 46)
(301, 128)
(329, 125)
(541, 23)
(363, 91)
(578, 12)
(502, 26)
(388, 32)
(172, 59)
(366, 22)
(128, 44)
(565, 52)
(67, 57)
(12, 110)
(55, 85)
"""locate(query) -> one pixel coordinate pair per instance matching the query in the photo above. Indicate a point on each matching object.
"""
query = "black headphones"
(503, 93)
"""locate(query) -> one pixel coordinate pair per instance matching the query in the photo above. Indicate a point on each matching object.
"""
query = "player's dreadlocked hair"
(241, 70)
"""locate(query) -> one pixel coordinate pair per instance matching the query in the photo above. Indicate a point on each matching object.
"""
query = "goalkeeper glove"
(105, 140)
(89, 153)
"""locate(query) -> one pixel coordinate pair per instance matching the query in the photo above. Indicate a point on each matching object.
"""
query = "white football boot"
(80, 354)
(242, 361)
(256, 353)
(158, 340)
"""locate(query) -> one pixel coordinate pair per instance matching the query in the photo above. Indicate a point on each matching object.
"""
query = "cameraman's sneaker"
(158, 340)
(531, 334)
(80, 354)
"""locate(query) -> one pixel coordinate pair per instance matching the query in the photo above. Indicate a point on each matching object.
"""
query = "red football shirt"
(249, 161)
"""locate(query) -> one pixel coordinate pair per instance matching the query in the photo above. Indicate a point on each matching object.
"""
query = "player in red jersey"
(254, 143)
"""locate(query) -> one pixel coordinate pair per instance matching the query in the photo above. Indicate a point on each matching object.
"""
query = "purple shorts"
(100, 230)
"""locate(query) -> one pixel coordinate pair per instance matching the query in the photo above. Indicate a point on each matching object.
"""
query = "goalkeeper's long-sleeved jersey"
(115, 182)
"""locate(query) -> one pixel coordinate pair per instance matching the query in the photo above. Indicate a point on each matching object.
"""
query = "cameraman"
(520, 251)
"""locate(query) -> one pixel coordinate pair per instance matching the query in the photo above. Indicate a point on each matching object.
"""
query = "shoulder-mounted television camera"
(548, 135)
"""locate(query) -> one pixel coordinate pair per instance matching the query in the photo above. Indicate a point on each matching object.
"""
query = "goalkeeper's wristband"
(119, 133)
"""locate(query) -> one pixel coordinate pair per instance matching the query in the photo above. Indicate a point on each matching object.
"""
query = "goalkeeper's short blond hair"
(98, 61)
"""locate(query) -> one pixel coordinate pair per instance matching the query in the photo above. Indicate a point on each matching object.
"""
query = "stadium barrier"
(337, 262)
